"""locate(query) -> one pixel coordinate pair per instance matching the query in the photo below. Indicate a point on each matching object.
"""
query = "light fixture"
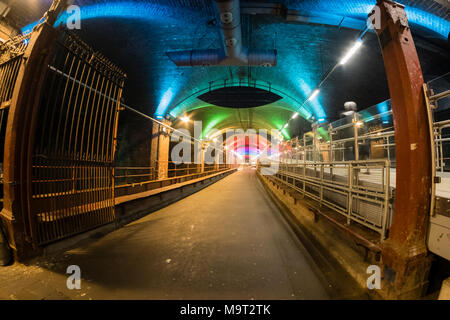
(295, 115)
(359, 123)
(185, 118)
(285, 126)
(351, 52)
(314, 94)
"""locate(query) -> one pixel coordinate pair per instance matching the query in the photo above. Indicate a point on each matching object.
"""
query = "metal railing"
(442, 143)
(346, 165)
(131, 175)
(137, 175)
(344, 187)
(182, 169)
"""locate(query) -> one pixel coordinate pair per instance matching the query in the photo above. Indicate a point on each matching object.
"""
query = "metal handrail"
(338, 186)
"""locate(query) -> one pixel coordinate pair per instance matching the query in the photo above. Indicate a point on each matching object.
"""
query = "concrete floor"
(227, 241)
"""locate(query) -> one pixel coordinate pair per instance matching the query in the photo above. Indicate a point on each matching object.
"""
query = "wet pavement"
(227, 241)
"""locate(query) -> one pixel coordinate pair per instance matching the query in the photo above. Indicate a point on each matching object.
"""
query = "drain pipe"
(232, 53)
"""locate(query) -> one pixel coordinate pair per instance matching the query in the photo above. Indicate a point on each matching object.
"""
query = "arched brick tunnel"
(226, 149)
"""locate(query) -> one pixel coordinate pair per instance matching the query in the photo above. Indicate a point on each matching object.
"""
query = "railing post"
(304, 165)
(321, 184)
(355, 135)
(350, 188)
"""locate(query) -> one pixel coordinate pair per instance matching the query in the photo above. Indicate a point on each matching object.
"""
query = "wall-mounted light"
(314, 94)
(351, 52)
(185, 119)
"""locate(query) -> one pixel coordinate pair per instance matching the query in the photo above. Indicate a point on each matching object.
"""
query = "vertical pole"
(330, 135)
(202, 166)
(404, 253)
(355, 135)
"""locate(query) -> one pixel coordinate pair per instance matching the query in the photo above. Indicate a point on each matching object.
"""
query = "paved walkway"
(227, 241)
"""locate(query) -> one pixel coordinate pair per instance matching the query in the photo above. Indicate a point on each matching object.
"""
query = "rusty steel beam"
(16, 163)
(19, 137)
(405, 259)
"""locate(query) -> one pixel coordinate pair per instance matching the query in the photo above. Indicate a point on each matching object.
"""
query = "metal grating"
(72, 162)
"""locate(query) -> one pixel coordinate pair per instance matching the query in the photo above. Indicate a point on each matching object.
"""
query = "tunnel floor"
(227, 241)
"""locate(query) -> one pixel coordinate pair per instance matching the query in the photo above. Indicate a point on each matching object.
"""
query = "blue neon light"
(164, 103)
(315, 103)
(126, 10)
(358, 9)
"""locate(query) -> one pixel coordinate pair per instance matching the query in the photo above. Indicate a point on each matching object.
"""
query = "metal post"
(330, 135)
(202, 166)
(304, 165)
(350, 189)
(355, 135)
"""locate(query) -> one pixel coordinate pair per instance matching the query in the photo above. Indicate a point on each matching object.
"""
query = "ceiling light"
(185, 119)
(314, 94)
(351, 52)
(295, 115)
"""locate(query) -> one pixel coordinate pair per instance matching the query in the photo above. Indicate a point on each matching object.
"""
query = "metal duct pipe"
(232, 53)
(230, 18)
(216, 57)
(194, 58)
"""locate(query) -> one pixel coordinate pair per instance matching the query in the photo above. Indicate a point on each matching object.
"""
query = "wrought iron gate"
(73, 154)
(11, 55)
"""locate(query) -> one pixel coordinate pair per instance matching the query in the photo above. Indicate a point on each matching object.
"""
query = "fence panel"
(73, 155)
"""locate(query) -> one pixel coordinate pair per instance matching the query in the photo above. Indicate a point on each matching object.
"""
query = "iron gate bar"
(73, 174)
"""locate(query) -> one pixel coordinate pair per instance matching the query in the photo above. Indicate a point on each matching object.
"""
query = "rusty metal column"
(21, 124)
(404, 253)
(202, 165)
(159, 156)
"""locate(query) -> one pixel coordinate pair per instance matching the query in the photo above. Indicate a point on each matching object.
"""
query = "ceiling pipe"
(232, 52)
